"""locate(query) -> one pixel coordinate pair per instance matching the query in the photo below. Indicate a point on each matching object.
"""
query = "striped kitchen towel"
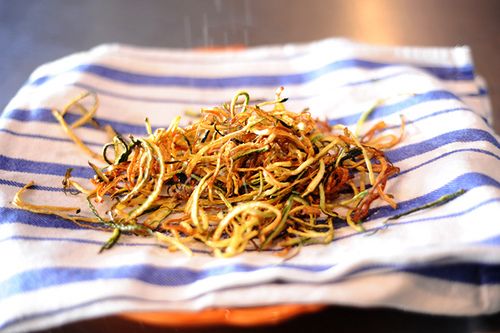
(444, 260)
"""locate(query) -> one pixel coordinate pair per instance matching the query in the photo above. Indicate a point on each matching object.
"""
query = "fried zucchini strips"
(240, 177)
(245, 177)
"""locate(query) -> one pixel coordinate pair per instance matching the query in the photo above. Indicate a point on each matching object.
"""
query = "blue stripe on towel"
(462, 135)
(386, 110)
(43, 168)
(465, 272)
(45, 115)
(47, 137)
(466, 181)
(394, 155)
(476, 274)
(120, 75)
(491, 241)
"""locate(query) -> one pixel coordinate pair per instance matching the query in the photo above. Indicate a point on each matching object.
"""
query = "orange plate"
(253, 316)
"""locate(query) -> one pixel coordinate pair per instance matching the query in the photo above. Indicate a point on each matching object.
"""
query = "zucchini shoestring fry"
(69, 131)
(240, 176)
(68, 213)
(440, 201)
(364, 116)
(87, 117)
(87, 114)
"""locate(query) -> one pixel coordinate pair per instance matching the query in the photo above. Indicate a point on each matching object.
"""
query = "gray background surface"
(34, 32)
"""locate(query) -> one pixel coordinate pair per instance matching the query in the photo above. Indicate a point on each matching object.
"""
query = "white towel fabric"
(444, 260)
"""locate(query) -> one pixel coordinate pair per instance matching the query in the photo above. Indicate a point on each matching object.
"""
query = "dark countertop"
(35, 32)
